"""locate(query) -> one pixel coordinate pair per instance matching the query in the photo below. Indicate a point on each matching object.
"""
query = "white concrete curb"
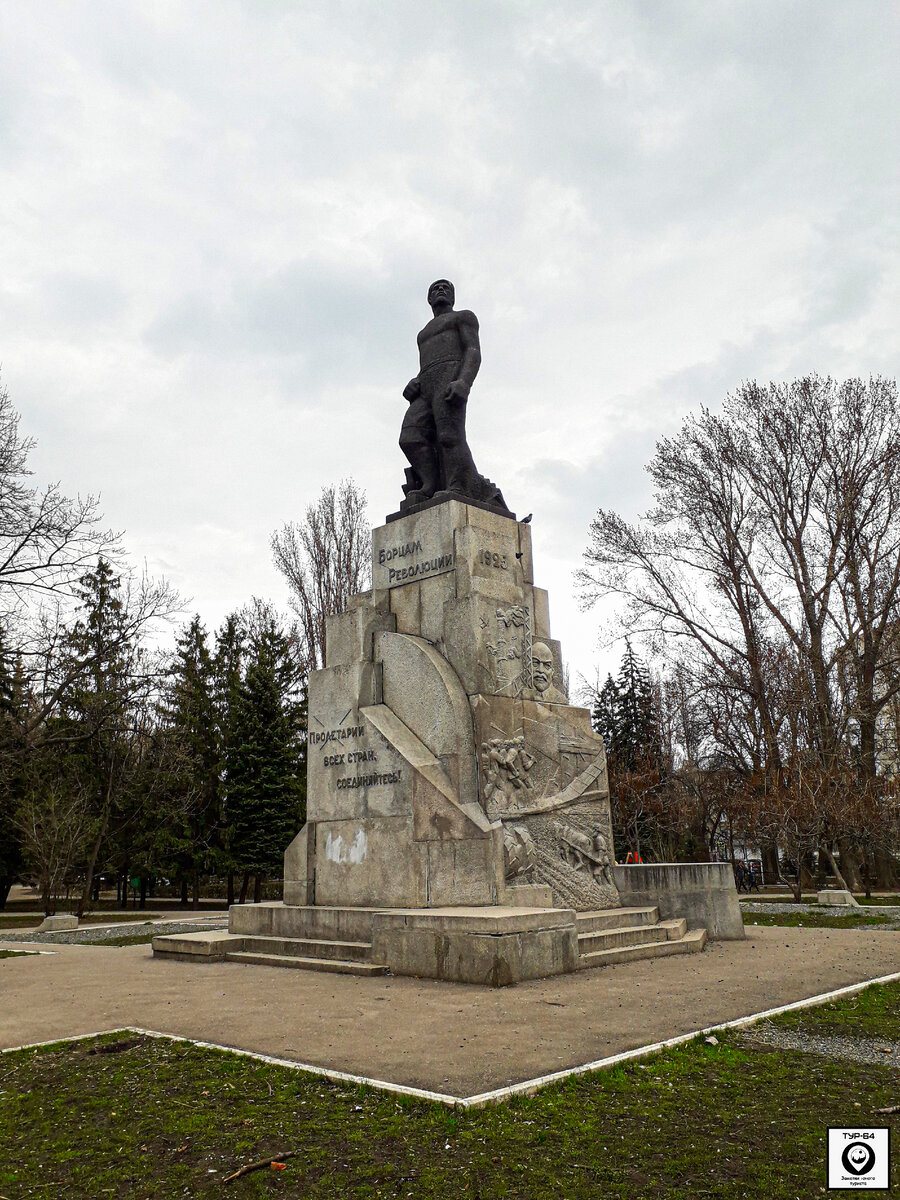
(527, 1088)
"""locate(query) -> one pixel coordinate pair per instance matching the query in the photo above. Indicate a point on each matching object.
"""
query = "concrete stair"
(335, 966)
(341, 940)
(337, 955)
(616, 918)
(309, 954)
(309, 948)
(620, 935)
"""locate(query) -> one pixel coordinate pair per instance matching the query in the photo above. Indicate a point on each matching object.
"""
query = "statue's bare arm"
(467, 327)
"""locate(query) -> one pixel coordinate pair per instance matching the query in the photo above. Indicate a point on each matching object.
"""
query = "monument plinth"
(446, 765)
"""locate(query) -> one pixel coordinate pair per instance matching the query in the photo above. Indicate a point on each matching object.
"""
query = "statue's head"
(442, 291)
(541, 666)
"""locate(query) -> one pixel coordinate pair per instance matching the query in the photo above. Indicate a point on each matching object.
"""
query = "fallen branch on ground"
(262, 1164)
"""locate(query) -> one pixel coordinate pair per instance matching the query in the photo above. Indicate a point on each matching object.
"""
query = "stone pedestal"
(446, 765)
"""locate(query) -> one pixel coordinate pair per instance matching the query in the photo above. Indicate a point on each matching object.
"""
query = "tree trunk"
(841, 881)
(257, 888)
(143, 900)
(885, 872)
(245, 883)
(769, 852)
(195, 890)
(867, 745)
(91, 867)
(807, 872)
(6, 882)
(230, 889)
(184, 891)
(867, 877)
(850, 867)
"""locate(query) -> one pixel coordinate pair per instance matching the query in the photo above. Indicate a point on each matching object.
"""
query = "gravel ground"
(776, 906)
(101, 933)
(863, 1050)
(837, 910)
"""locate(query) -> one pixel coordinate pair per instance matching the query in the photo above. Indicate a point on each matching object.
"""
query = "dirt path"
(444, 1037)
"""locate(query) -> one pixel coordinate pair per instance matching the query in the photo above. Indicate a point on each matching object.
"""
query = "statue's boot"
(424, 463)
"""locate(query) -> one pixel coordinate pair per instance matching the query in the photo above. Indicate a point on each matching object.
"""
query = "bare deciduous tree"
(46, 539)
(769, 568)
(53, 820)
(326, 559)
(776, 524)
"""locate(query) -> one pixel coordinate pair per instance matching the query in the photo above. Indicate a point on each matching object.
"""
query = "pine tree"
(604, 714)
(636, 740)
(264, 758)
(191, 723)
(228, 666)
(11, 769)
(100, 709)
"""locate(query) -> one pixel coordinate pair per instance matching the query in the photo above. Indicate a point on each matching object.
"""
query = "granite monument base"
(491, 945)
(458, 822)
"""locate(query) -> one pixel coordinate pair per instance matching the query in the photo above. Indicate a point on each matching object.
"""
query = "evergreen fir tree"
(99, 711)
(635, 740)
(228, 666)
(11, 768)
(605, 713)
(264, 758)
(191, 722)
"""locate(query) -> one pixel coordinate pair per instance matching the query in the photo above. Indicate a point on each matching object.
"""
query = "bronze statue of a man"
(433, 435)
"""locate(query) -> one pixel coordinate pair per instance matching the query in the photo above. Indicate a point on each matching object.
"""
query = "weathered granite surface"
(703, 893)
(446, 765)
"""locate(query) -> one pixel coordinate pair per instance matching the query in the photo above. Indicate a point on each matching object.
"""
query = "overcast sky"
(219, 222)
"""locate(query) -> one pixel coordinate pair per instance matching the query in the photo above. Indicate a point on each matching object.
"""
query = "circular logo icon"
(858, 1158)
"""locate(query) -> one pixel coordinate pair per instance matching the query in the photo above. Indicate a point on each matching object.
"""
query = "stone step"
(328, 923)
(675, 928)
(616, 918)
(309, 948)
(692, 943)
(334, 965)
(627, 935)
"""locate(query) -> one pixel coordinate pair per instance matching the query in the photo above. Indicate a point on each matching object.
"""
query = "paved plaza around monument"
(449, 1038)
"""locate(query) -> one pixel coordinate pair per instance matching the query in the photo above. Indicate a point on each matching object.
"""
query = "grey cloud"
(218, 232)
(347, 325)
(76, 299)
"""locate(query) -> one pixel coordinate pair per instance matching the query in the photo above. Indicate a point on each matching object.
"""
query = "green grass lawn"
(810, 898)
(873, 1012)
(164, 1119)
(24, 920)
(820, 920)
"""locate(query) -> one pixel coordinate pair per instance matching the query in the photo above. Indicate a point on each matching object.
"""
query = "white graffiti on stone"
(338, 851)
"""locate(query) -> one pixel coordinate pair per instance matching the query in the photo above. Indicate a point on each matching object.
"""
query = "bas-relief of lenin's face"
(541, 666)
(442, 291)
